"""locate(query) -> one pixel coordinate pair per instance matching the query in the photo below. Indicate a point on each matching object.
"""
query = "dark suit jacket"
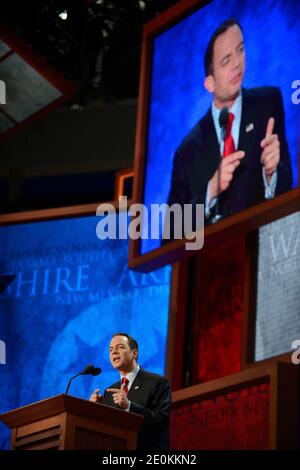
(198, 156)
(150, 396)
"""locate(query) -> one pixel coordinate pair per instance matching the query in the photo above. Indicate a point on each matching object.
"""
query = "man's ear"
(135, 353)
(209, 84)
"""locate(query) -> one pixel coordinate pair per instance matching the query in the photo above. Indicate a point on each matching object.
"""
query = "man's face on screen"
(228, 67)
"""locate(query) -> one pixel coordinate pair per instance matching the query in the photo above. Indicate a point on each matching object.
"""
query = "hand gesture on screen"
(224, 174)
(271, 150)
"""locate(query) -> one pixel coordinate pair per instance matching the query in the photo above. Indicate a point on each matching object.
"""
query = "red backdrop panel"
(236, 420)
(218, 311)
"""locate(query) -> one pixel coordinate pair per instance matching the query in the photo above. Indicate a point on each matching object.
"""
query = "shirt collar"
(235, 108)
(132, 374)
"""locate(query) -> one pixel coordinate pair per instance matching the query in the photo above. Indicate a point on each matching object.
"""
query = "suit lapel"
(247, 142)
(136, 386)
(247, 127)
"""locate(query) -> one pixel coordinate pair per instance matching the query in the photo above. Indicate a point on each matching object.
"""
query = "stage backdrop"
(72, 291)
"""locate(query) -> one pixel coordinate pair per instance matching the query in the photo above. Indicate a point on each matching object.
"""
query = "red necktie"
(229, 146)
(125, 382)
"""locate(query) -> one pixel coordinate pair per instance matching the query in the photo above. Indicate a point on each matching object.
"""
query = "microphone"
(88, 370)
(91, 370)
(223, 121)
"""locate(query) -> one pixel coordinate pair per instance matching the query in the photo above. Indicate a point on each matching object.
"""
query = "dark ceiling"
(95, 44)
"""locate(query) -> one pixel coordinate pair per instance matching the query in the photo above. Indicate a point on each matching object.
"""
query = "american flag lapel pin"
(250, 127)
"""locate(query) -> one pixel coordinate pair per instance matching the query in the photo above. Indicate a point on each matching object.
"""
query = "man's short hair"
(131, 341)
(209, 53)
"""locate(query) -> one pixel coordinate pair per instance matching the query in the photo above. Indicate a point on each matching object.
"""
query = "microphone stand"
(223, 120)
(218, 216)
(88, 370)
(74, 377)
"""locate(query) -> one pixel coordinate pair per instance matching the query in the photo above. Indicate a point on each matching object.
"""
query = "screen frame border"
(244, 221)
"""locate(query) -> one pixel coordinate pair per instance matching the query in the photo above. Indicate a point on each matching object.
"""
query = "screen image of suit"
(198, 156)
(150, 396)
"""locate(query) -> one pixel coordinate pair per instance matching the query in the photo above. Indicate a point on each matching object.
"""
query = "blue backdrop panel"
(71, 293)
(178, 98)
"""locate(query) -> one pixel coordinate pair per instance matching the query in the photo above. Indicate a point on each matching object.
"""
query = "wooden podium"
(64, 422)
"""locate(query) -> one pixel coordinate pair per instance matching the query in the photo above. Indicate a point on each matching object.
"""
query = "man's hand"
(271, 150)
(119, 396)
(96, 397)
(224, 174)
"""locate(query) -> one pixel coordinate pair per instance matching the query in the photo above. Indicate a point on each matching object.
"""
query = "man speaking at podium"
(237, 155)
(138, 391)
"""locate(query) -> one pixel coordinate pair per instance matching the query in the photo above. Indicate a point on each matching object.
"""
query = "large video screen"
(72, 291)
(223, 110)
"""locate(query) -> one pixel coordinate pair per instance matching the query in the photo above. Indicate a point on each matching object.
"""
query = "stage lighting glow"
(63, 15)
